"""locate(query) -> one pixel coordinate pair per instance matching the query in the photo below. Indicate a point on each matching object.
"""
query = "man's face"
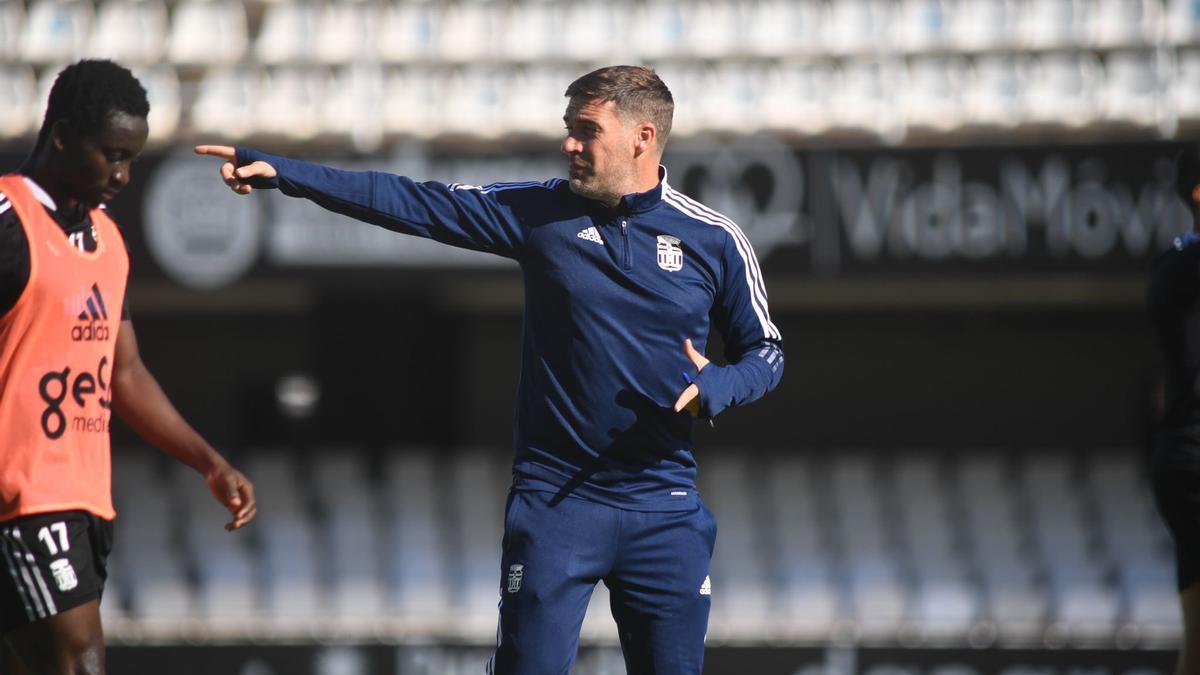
(96, 167)
(600, 146)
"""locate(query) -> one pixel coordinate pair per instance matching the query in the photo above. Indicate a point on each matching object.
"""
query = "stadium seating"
(951, 66)
(1039, 545)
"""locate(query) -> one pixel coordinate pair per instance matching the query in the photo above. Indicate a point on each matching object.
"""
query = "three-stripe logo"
(96, 315)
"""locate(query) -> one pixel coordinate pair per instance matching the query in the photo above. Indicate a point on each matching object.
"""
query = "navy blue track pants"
(655, 565)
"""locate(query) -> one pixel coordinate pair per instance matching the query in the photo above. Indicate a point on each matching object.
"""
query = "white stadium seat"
(1185, 88)
(1182, 23)
(782, 28)
(409, 104)
(469, 31)
(347, 33)
(858, 27)
(713, 28)
(1062, 90)
(1126, 23)
(532, 30)
(162, 90)
(933, 93)
(1134, 92)
(289, 103)
(1050, 24)
(352, 109)
(20, 109)
(132, 32)
(288, 33)
(409, 31)
(417, 562)
(923, 25)
(587, 27)
(225, 107)
(208, 33)
(980, 25)
(533, 100)
(472, 102)
(992, 95)
(793, 98)
(865, 98)
(12, 21)
(56, 31)
(658, 30)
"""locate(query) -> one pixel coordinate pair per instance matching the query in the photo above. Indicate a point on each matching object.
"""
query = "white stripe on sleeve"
(758, 297)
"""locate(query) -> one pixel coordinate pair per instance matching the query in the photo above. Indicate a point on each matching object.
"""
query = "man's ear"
(1196, 194)
(647, 138)
(60, 134)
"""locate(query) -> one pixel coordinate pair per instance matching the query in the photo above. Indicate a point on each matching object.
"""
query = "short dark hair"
(87, 93)
(637, 91)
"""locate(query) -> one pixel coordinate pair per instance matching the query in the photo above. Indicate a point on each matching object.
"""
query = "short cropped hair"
(637, 91)
(87, 93)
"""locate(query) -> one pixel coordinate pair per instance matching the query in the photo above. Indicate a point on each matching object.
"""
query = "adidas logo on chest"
(591, 234)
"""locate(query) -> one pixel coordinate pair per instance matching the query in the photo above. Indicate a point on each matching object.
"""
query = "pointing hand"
(236, 177)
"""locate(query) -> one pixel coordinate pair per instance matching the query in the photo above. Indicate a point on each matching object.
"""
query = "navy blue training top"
(610, 296)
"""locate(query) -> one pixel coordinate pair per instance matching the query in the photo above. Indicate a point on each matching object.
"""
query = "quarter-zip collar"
(640, 202)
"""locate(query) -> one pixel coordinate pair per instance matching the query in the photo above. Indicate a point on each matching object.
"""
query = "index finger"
(222, 151)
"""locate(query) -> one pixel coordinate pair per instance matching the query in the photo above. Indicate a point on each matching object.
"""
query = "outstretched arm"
(140, 401)
(483, 218)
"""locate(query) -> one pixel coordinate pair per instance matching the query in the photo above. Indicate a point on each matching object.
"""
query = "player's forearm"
(748, 379)
(143, 405)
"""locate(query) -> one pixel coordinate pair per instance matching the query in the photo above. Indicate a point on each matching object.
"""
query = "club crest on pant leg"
(515, 574)
(64, 574)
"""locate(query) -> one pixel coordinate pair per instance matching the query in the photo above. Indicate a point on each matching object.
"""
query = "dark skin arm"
(140, 401)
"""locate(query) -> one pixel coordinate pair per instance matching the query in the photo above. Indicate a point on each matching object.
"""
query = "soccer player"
(624, 276)
(1173, 299)
(68, 357)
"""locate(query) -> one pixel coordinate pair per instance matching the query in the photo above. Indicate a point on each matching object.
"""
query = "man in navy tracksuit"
(623, 274)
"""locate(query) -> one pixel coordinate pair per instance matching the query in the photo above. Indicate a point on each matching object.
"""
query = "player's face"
(97, 167)
(600, 146)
